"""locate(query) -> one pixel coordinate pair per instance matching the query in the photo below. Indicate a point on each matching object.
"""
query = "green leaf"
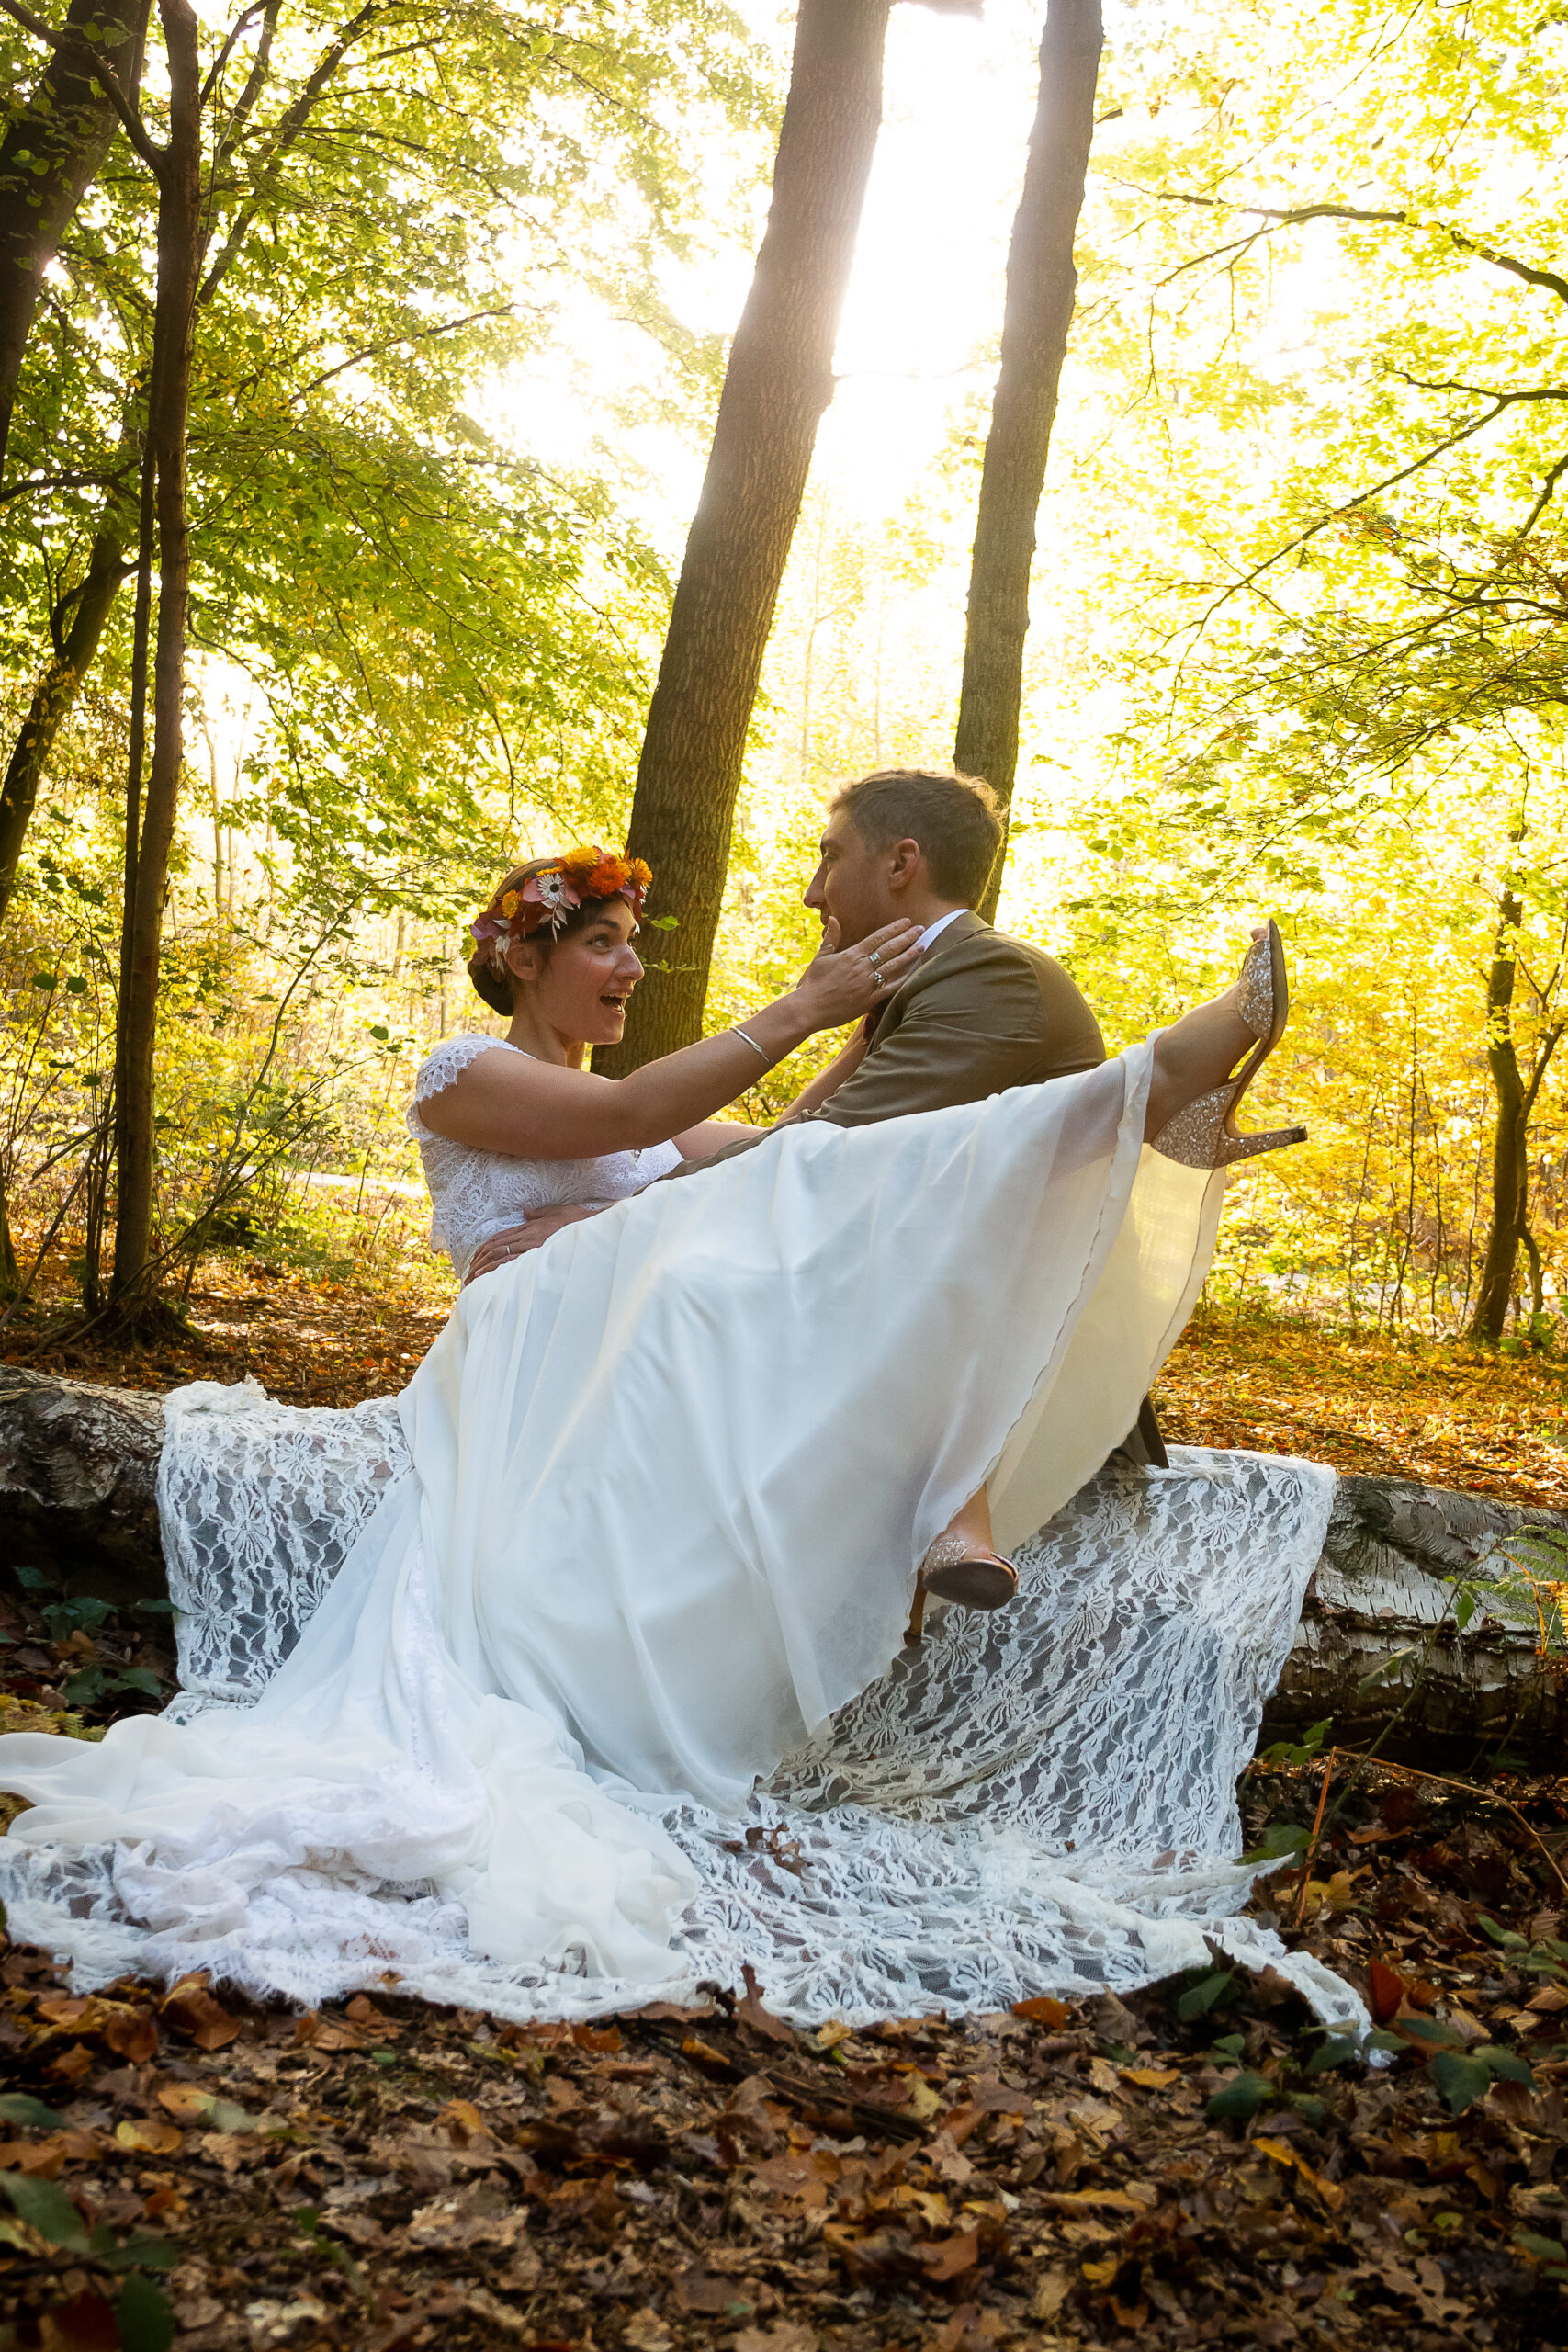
(1298, 1752)
(1311, 2111)
(144, 2316)
(1508, 2064)
(1240, 2097)
(1199, 1999)
(1436, 2030)
(1461, 2080)
(1505, 1937)
(46, 979)
(46, 2209)
(156, 2253)
(1381, 1673)
(139, 1677)
(1336, 2050)
(1544, 2249)
(17, 2107)
(1280, 1839)
(156, 1608)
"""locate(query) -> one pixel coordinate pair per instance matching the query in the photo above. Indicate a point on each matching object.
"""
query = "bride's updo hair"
(545, 900)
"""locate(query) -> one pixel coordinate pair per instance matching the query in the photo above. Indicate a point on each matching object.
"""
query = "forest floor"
(1197, 2164)
(1493, 1422)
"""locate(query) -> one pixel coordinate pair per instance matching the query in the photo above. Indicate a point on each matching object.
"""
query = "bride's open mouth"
(616, 1004)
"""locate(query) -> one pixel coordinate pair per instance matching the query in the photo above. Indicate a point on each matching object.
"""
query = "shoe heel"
(1238, 1147)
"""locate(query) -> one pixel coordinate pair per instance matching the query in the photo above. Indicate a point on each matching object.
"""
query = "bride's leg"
(1196, 1085)
(1196, 1053)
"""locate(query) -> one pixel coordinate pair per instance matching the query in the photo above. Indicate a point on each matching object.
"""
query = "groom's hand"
(502, 1248)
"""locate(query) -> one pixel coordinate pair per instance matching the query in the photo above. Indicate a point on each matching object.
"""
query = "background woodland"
(1296, 630)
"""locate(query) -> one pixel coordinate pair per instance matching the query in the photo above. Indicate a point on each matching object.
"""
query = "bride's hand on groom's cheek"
(840, 984)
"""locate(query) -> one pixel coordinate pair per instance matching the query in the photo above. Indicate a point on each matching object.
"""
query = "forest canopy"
(462, 284)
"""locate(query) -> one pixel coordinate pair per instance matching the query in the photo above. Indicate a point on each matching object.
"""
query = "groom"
(980, 1012)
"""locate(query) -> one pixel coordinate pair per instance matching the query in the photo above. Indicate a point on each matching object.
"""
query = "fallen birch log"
(78, 1468)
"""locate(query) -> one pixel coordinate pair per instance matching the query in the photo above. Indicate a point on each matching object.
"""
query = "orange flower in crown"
(555, 891)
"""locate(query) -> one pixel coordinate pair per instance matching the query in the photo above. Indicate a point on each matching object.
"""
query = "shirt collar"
(934, 931)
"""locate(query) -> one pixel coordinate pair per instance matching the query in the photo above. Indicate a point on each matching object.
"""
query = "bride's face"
(579, 987)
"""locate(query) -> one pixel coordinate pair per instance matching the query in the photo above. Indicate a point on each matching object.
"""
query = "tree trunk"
(48, 158)
(1041, 285)
(1510, 1154)
(82, 625)
(778, 382)
(179, 252)
(1384, 1586)
(78, 1471)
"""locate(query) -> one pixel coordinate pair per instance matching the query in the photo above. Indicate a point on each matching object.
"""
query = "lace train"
(1041, 1801)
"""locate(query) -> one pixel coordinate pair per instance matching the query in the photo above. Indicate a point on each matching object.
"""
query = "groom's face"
(852, 883)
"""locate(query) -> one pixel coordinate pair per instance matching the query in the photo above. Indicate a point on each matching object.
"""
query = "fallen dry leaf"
(145, 2135)
(191, 2010)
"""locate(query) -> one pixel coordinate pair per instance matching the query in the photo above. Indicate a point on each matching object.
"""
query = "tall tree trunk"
(779, 380)
(1510, 1152)
(48, 158)
(1041, 286)
(179, 255)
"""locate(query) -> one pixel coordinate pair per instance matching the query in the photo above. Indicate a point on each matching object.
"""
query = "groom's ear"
(905, 863)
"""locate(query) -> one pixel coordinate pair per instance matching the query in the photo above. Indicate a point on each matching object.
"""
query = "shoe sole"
(972, 1583)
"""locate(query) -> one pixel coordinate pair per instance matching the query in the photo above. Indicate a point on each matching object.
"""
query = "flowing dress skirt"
(599, 1703)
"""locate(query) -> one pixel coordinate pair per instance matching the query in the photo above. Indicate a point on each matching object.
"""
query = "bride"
(652, 1513)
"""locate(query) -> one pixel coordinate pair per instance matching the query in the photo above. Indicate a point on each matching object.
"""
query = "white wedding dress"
(572, 1676)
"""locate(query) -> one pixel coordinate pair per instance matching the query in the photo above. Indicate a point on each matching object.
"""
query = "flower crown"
(553, 892)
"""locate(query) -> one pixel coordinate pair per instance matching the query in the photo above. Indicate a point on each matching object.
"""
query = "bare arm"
(534, 1110)
(713, 1135)
(845, 1064)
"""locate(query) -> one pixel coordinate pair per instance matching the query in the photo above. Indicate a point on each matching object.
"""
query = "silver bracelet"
(754, 1045)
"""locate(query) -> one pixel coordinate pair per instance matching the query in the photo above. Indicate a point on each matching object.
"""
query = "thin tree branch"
(287, 130)
(1295, 216)
(391, 342)
(230, 42)
(1544, 501)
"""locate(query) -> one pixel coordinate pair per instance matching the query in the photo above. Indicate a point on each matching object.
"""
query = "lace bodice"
(476, 1193)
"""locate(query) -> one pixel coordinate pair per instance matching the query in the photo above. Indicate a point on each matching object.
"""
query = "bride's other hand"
(518, 1239)
(839, 984)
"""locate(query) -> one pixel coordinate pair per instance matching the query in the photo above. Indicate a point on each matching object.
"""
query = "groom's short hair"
(955, 819)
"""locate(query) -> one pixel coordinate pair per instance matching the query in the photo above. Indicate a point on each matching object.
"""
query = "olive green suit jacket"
(980, 1013)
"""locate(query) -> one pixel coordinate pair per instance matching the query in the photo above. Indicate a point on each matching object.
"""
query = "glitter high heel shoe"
(951, 1571)
(1205, 1134)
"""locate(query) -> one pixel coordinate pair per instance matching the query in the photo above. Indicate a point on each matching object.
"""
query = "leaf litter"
(1196, 2164)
